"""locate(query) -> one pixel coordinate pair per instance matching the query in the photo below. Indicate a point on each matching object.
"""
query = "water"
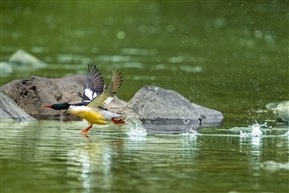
(229, 56)
(48, 156)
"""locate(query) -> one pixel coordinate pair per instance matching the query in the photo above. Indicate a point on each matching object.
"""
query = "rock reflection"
(274, 166)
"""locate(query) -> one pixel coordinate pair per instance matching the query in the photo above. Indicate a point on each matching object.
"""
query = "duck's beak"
(48, 106)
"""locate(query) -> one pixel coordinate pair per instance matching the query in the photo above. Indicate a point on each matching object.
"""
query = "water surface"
(48, 156)
(229, 56)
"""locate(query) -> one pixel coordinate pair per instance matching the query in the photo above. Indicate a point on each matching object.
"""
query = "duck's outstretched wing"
(94, 84)
(111, 89)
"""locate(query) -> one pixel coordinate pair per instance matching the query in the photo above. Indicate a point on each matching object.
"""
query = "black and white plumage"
(95, 96)
(94, 84)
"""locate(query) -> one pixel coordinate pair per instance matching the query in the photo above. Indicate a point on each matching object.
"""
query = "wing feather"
(109, 91)
(94, 84)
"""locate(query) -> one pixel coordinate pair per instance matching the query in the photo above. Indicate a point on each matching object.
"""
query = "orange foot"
(84, 131)
(118, 120)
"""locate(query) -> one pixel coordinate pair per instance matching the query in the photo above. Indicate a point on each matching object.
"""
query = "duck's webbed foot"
(84, 131)
(118, 120)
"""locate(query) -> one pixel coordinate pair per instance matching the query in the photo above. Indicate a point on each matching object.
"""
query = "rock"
(32, 93)
(161, 110)
(280, 109)
(167, 111)
(23, 59)
(116, 105)
(5, 68)
(210, 117)
(20, 61)
(10, 110)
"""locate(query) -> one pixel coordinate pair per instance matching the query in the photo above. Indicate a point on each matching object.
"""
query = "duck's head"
(59, 106)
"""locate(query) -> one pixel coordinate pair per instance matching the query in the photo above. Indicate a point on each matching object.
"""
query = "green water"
(48, 156)
(226, 55)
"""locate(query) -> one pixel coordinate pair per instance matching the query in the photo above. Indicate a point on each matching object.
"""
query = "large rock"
(20, 61)
(209, 117)
(10, 110)
(5, 68)
(22, 58)
(32, 93)
(280, 109)
(167, 111)
(161, 110)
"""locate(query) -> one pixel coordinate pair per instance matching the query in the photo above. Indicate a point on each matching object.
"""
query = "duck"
(95, 98)
(92, 87)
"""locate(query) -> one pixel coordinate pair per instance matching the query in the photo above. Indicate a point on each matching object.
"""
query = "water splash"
(189, 136)
(135, 128)
(255, 130)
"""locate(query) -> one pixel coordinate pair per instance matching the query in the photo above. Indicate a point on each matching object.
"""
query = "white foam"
(135, 128)
(255, 130)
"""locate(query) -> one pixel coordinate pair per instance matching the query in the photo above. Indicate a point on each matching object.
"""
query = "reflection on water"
(90, 159)
(230, 56)
(127, 160)
(255, 146)
(274, 166)
(189, 145)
